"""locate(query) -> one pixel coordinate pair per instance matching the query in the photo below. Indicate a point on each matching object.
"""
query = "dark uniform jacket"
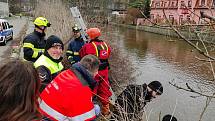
(132, 100)
(73, 50)
(33, 45)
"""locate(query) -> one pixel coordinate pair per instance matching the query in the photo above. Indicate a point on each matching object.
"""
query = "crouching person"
(131, 102)
(69, 95)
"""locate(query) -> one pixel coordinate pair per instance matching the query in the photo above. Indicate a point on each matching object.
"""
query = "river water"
(157, 57)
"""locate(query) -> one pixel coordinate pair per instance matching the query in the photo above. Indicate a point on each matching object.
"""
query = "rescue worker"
(75, 45)
(132, 100)
(34, 43)
(69, 95)
(49, 64)
(102, 51)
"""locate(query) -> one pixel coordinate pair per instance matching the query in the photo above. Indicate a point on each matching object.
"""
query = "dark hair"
(156, 86)
(169, 118)
(90, 62)
(19, 91)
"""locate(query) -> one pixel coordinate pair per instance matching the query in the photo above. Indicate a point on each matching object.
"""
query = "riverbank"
(190, 34)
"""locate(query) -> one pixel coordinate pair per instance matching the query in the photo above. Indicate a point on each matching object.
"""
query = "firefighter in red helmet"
(102, 51)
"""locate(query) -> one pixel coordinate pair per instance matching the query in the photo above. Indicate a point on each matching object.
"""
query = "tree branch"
(189, 89)
(183, 37)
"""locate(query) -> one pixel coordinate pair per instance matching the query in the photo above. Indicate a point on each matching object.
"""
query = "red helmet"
(93, 33)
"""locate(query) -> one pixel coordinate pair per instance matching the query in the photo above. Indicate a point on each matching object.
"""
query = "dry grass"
(59, 16)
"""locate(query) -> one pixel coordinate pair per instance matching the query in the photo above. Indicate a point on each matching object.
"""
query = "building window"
(157, 5)
(171, 16)
(173, 4)
(213, 3)
(202, 3)
(162, 4)
(188, 17)
(189, 3)
(171, 19)
(152, 5)
(180, 19)
(152, 16)
(182, 4)
(165, 4)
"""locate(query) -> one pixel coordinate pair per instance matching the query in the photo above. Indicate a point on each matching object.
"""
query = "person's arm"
(29, 50)
(70, 53)
(44, 74)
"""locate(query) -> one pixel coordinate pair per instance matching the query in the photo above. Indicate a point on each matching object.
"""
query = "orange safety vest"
(68, 97)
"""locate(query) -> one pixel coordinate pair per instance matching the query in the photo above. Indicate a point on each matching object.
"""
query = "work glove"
(105, 110)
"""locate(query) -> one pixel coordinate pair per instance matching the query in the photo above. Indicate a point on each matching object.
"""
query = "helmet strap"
(43, 30)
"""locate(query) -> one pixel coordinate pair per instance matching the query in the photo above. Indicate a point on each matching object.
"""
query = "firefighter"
(102, 51)
(49, 64)
(69, 96)
(34, 43)
(74, 46)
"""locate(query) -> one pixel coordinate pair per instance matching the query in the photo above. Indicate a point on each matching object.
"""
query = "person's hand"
(105, 110)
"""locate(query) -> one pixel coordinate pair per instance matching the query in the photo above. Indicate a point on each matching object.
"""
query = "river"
(157, 57)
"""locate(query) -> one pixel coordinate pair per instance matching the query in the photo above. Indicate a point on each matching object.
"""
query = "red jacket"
(102, 51)
(67, 97)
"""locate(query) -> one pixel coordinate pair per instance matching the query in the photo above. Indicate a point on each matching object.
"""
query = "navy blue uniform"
(33, 45)
(72, 52)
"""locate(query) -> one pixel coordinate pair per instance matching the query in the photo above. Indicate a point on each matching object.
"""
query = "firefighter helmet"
(41, 21)
(93, 33)
(75, 28)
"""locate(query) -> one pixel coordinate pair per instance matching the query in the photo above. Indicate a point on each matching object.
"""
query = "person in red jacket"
(69, 95)
(102, 51)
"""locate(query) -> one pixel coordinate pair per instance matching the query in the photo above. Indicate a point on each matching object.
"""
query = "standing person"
(75, 45)
(69, 95)
(19, 87)
(49, 64)
(102, 51)
(34, 43)
(132, 100)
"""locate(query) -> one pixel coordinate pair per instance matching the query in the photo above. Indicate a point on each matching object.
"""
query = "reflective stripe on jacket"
(52, 66)
(67, 98)
(61, 117)
(33, 45)
(74, 47)
(35, 50)
(98, 48)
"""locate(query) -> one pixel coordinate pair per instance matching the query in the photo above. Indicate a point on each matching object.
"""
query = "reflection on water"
(165, 59)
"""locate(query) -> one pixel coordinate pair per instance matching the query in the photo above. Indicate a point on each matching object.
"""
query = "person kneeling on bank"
(131, 102)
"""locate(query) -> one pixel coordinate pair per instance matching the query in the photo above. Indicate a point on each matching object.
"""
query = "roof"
(3, 20)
